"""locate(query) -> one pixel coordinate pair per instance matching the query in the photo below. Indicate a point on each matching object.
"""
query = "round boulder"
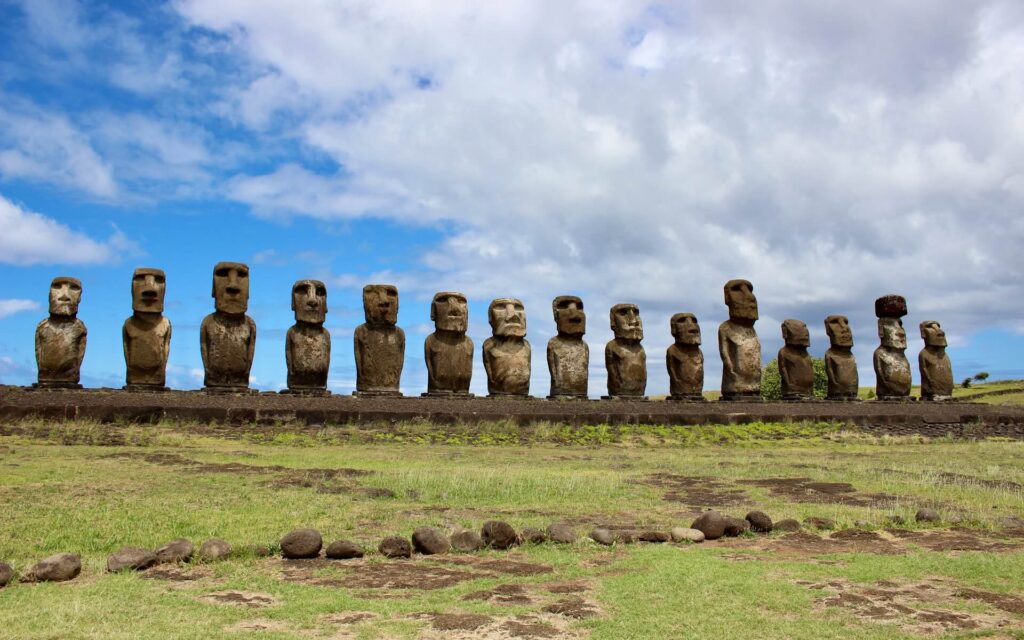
(602, 536)
(56, 568)
(759, 522)
(214, 549)
(927, 515)
(395, 547)
(561, 532)
(301, 543)
(711, 524)
(134, 558)
(532, 535)
(467, 541)
(344, 550)
(653, 536)
(498, 535)
(735, 526)
(685, 534)
(178, 550)
(787, 524)
(430, 541)
(6, 574)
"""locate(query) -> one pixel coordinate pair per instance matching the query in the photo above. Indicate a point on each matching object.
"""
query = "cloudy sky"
(830, 152)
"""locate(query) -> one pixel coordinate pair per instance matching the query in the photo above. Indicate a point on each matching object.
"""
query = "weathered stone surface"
(506, 352)
(307, 347)
(532, 535)
(933, 363)
(759, 522)
(602, 536)
(379, 343)
(227, 337)
(624, 356)
(787, 524)
(896, 520)
(653, 536)
(686, 534)
(301, 543)
(134, 558)
(214, 549)
(819, 523)
(685, 360)
(467, 541)
(561, 532)
(430, 541)
(739, 345)
(448, 351)
(56, 568)
(892, 369)
(61, 338)
(624, 536)
(1011, 522)
(497, 534)
(177, 550)
(568, 354)
(343, 550)
(6, 574)
(711, 523)
(840, 364)
(795, 367)
(927, 515)
(395, 547)
(146, 335)
(736, 526)
(891, 306)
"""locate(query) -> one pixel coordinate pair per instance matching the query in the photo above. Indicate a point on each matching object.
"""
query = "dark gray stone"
(395, 547)
(344, 550)
(467, 541)
(561, 532)
(178, 550)
(602, 536)
(214, 549)
(759, 522)
(134, 558)
(532, 535)
(736, 526)
(711, 524)
(56, 568)
(1011, 522)
(927, 515)
(430, 541)
(498, 535)
(653, 536)
(6, 574)
(301, 543)
(787, 524)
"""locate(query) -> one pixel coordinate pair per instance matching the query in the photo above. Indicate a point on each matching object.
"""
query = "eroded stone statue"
(568, 354)
(892, 369)
(624, 356)
(448, 351)
(840, 365)
(146, 335)
(738, 344)
(933, 362)
(61, 338)
(307, 347)
(227, 337)
(684, 360)
(795, 367)
(379, 343)
(506, 352)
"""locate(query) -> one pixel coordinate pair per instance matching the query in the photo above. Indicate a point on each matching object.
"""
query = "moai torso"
(741, 359)
(797, 373)
(308, 355)
(685, 365)
(626, 362)
(449, 358)
(147, 339)
(507, 362)
(60, 348)
(841, 369)
(936, 373)
(892, 372)
(569, 365)
(228, 343)
(380, 356)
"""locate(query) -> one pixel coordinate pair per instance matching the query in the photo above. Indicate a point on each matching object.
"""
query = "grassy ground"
(61, 491)
(988, 392)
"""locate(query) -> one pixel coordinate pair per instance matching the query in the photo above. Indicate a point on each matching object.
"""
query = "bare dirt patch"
(807, 490)
(567, 587)
(506, 566)
(257, 624)
(404, 574)
(176, 573)
(515, 594)
(959, 478)
(349, 617)
(241, 598)
(573, 607)
(456, 621)
(697, 492)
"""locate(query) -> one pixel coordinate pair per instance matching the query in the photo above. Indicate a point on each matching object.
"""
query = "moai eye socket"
(321, 291)
(299, 289)
(223, 272)
(243, 273)
(159, 279)
(74, 287)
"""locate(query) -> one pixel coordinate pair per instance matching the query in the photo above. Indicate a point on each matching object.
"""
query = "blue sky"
(621, 151)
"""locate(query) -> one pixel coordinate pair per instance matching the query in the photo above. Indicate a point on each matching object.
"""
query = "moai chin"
(568, 354)
(227, 337)
(506, 352)
(933, 362)
(624, 356)
(448, 351)
(146, 335)
(795, 367)
(379, 343)
(307, 347)
(840, 365)
(61, 338)
(738, 344)
(892, 369)
(684, 360)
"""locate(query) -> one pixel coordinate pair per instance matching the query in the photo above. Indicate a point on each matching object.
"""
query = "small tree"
(771, 380)
(966, 384)
(981, 377)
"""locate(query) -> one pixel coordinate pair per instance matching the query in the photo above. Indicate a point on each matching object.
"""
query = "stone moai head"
(231, 287)
(685, 328)
(795, 334)
(839, 332)
(507, 317)
(65, 294)
(739, 297)
(570, 319)
(933, 334)
(889, 310)
(148, 287)
(626, 323)
(380, 304)
(450, 312)
(309, 301)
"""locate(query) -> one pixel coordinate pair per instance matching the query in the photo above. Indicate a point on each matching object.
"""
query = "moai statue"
(568, 354)
(795, 367)
(506, 352)
(738, 344)
(379, 344)
(227, 337)
(684, 360)
(624, 356)
(307, 346)
(448, 351)
(60, 339)
(936, 369)
(840, 365)
(146, 335)
(892, 369)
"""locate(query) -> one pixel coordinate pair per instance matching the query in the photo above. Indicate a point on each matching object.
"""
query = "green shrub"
(771, 380)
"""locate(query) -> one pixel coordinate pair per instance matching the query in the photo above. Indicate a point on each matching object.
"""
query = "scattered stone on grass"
(735, 526)
(56, 568)
(134, 558)
(896, 520)
(241, 598)
(1011, 522)
(561, 532)
(214, 549)
(787, 524)
(927, 515)
(6, 574)
(301, 543)
(602, 536)
(177, 550)
(711, 523)
(653, 536)
(395, 547)
(686, 534)
(467, 541)
(820, 523)
(532, 535)
(759, 522)
(498, 535)
(625, 536)
(430, 541)
(344, 550)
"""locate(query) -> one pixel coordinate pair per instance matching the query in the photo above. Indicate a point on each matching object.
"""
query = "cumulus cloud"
(12, 306)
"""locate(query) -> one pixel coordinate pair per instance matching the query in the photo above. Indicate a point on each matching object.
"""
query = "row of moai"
(228, 340)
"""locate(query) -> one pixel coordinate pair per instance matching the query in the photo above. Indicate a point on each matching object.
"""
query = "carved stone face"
(890, 330)
(148, 286)
(231, 287)
(933, 334)
(626, 324)
(309, 301)
(450, 312)
(507, 317)
(65, 294)
(685, 328)
(839, 332)
(795, 334)
(739, 296)
(380, 304)
(570, 319)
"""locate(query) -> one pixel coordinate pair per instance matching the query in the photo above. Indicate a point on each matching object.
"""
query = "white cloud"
(12, 306)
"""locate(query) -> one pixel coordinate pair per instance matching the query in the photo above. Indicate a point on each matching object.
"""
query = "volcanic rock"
(759, 522)
(301, 543)
(927, 515)
(467, 541)
(134, 558)
(343, 550)
(56, 568)
(602, 536)
(214, 549)
(395, 547)
(711, 524)
(498, 535)
(561, 532)
(430, 541)
(685, 534)
(178, 550)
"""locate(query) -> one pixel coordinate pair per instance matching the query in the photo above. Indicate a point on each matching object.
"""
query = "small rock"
(562, 533)
(395, 547)
(820, 523)
(861, 524)
(787, 524)
(134, 558)
(625, 536)
(498, 535)
(711, 524)
(896, 520)
(653, 536)
(430, 541)
(685, 534)
(214, 549)
(955, 519)
(344, 550)
(602, 536)
(301, 543)
(467, 541)
(736, 526)
(178, 550)
(759, 522)
(532, 535)
(927, 515)
(56, 568)
(6, 574)
(1011, 522)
